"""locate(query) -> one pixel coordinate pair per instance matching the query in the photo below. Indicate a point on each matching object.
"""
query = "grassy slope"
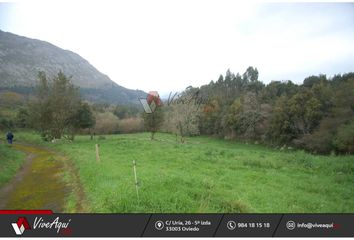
(208, 175)
(10, 161)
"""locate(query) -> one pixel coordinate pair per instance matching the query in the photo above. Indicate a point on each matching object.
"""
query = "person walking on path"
(9, 137)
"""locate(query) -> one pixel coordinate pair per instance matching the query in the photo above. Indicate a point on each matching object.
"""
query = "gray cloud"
(168, 46)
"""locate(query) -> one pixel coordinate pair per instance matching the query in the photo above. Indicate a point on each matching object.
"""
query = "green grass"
(207, 175)
(10, 162)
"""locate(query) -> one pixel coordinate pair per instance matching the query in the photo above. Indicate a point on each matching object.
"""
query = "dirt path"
(42, 182)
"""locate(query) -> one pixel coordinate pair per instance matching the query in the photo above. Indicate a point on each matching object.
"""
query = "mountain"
(22, 58)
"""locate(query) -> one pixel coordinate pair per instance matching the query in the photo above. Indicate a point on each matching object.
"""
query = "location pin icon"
(159, 225)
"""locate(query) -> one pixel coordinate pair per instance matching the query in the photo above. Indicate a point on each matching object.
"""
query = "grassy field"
(10, 162)
(206, 175)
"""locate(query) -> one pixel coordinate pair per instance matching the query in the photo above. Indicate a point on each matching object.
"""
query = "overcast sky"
(167, 45)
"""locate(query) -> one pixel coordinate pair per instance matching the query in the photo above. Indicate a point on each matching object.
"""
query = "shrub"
(321, 140)
(344, 140)
(6, 124)
(106, 123)
(131, 125)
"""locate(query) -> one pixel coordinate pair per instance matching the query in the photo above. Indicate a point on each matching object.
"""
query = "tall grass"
(10, 162)
(207, 175)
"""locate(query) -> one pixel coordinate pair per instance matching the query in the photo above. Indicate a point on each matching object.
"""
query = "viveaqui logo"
(58, 226)
(21, 225)
(151, 102)
(55, 224)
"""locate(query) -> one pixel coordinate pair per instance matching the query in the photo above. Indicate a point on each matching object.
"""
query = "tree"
(305, 111)
(251, 74)
(313, 80)
(65, 102)
(182, 119)
(276, 89)
(40, 109)
(22, 118)
(10, 98)
(83, 118)
(56, 104)
(245, 116)
(126, 111)
(335, 130)
(234, 118)
(153, 121)
(5, 123)
(210, 113)
(344, 140)
(281, 129)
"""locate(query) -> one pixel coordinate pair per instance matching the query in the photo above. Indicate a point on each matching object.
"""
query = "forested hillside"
(317, 115)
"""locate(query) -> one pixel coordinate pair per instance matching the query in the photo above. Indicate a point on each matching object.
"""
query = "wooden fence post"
(98, 159)
(136, 179)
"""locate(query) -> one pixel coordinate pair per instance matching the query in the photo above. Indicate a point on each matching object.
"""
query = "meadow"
(205, 175)
(10, 161)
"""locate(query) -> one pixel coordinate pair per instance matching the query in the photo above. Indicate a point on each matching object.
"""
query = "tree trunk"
(91, 135)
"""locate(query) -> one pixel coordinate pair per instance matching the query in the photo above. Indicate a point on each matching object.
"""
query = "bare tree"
(182, 119)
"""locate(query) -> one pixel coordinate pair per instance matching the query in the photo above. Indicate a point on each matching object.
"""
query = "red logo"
(151, 102)
(21, 225)
(336, 226)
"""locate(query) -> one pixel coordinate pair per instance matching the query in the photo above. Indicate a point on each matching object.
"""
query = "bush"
(321, 141)
(106, 123)
(344, 140)
(9, 98)
(6, 124)
(131, 125)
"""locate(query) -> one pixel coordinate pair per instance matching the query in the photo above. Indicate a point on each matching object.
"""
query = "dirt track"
(39, 183)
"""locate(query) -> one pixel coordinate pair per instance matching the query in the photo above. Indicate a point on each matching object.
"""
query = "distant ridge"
(22, 58)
